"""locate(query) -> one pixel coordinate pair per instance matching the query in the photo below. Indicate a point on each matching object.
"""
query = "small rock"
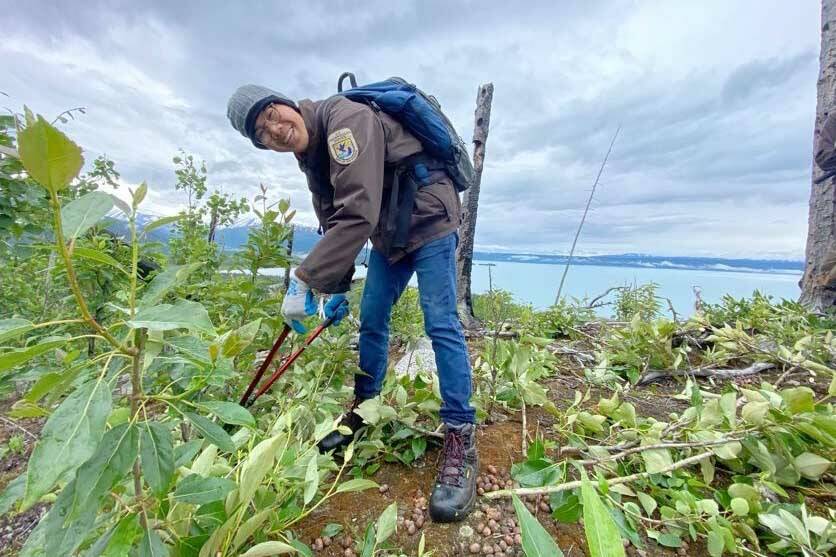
(419, 522)
(491, 469)
(486, 532)
(480, 490)
(475, 548)
(480, 527)
(326, 541)
(411, 529)
(348, 552)
(383, 488)
(517, 539)
(487, 550)
(544, 507)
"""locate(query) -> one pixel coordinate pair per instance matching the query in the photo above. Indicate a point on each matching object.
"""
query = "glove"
(336, 307)
(298, 303)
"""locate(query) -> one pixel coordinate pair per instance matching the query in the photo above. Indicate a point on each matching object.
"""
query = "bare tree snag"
(821, 223)
(464, 257)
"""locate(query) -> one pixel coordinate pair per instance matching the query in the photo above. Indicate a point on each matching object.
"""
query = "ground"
(499, 444)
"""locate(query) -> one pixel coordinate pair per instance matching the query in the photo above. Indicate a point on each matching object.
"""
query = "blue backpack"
(421, 115)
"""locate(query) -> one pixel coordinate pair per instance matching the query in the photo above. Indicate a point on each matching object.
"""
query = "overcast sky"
(716, 101)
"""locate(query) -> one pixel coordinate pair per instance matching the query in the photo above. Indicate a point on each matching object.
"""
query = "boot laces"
(452, 460)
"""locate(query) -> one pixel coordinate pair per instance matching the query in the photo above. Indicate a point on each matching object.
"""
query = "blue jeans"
(435, 264)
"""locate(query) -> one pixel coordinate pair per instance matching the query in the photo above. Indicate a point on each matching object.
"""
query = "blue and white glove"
(336, 307)
(299, 302)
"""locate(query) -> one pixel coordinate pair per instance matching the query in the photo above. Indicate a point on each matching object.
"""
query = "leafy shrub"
(638, 301)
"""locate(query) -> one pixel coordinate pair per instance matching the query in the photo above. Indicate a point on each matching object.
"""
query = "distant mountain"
(233, 238)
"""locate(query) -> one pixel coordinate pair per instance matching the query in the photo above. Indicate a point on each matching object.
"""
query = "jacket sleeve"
(825, 151)
(357, 177)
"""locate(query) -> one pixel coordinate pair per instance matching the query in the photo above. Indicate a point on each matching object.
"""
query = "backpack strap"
(411, 174)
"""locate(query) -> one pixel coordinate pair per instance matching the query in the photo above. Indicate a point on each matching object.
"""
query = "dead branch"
(683, 445)
(691, 460)
(656, 375)
(592, 305)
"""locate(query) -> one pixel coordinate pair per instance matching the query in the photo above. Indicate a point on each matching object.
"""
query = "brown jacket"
(349, 165)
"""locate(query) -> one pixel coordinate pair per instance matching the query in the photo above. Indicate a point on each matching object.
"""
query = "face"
(280, 128)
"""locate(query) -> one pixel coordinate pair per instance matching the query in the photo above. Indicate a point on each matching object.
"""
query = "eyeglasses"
(270, 115)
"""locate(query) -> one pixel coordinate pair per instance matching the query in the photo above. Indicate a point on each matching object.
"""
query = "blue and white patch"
(342, 146)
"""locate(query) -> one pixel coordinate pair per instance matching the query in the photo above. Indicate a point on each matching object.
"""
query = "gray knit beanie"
(245, 105)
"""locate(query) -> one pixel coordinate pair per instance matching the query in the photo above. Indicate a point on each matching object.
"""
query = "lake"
(536, 283)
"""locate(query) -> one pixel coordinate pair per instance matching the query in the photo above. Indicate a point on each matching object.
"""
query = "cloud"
(716, 101)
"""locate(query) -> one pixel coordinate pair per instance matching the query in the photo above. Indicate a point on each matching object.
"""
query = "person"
(355, 159)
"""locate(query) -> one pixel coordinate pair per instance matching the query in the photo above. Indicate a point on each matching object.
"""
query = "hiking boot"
(336, 440)
(455, 488)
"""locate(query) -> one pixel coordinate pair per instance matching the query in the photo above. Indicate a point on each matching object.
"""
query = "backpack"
(421, 115)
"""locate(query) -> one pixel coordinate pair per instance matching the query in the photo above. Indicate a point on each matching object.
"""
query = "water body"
(536, 283)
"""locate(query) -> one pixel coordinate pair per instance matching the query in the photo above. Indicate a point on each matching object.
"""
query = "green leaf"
(69, 438)
(266, 549)
(715, 543)
(255, 467)
(739, 506)
(160, 222)
(669, 540)
(357, 484)
(184, 314)
(13, 328)
(54, 535)
(48, 155)
(113, 458)
(602, 535)
(812, 466)
(566, 507)
(185, 453)
(799, 399)
(332, 529)
(151, 545)
(12, 493)
(234, 342)
(386, 523)
(79, 215)
(536, 542)
(369, 410)
(139, 195)
(124, 207)
(249, 527)
(212, 432)
(648, 503)
(229, 412)
(656, 460)
(754, 412)
(14, 358)
(157, 456)
(199, 490)
(99, 257)
(119, 540)
(311, 479)
(163, 282)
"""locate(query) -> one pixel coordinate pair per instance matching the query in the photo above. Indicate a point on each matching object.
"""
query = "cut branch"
(691, 460)
(656, 375)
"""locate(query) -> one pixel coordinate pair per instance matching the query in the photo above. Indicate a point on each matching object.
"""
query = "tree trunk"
(289, 257)
(464, 257)
(821, 223)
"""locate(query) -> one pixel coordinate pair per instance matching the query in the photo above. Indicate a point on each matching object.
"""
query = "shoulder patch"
(342, 146)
